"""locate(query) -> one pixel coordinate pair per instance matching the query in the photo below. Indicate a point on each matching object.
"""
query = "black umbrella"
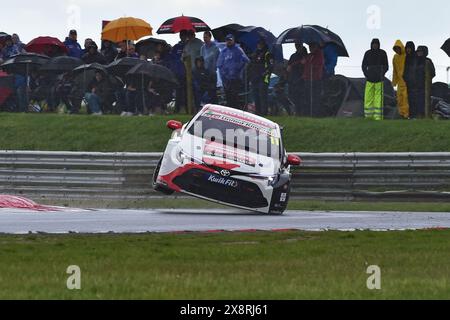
(313, 34)
(121, 67)
(24, 63)
(446, 47)
(221, 32)
(60, 65)
(90, 67)
(153, 71)
(149, 46)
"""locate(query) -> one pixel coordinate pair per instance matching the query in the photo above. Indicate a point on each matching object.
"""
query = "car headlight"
(182, 157)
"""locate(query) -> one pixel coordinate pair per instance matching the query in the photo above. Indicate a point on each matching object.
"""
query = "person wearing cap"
(375, 66)
(231, 63)
(92, 55)
(73, 46)
(10, 48)
(260, 71)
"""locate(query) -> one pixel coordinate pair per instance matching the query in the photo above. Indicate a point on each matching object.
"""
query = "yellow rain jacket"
(399, 82)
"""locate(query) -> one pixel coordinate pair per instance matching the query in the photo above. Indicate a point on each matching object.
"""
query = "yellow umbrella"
(126, 29)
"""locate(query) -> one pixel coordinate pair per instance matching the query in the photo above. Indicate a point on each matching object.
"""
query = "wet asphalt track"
(15, 221)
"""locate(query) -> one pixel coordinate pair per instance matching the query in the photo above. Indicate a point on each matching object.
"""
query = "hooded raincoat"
(398, 80)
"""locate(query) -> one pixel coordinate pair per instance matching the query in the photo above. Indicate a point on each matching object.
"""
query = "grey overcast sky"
(356, 21)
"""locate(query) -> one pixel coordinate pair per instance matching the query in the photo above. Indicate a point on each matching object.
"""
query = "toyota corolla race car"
(229, 157)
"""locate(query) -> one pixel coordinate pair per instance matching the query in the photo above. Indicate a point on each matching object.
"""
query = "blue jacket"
(175, 60)
(74, 48)
(231, 63)
(331, 58)
(10, 51)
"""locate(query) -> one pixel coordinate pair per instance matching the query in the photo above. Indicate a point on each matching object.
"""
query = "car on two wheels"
(229, 157)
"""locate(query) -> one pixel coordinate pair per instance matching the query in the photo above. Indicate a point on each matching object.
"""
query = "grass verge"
(289, 265)
(49, 132)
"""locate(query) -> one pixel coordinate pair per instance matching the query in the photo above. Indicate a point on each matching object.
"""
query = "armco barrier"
(127, 176)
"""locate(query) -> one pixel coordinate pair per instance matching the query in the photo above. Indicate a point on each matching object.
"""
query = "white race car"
(229, 157)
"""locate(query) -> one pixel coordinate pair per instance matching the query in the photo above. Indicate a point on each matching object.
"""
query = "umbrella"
(24, 63)
(221, 32)
(124, 29)
(149, 46)
(153, 71)
(250, 36)
(311, 33)
(46, 45)
(90, 67)
(60, 65)
(177, 24)
(446, 47)
(121, 67)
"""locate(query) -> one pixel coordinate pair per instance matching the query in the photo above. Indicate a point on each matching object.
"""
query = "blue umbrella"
(250, 36)
(313, 34)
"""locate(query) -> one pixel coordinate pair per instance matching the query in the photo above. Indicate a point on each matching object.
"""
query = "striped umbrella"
(175, 25)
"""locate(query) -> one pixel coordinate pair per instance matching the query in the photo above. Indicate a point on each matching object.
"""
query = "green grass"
(192, 203)
(290, 265)
(144, 134)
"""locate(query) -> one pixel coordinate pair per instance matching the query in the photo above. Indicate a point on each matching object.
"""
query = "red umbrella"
(46, 45)
(177, 24)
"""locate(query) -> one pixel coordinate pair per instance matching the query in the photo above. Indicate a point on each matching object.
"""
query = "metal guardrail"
(127, 176)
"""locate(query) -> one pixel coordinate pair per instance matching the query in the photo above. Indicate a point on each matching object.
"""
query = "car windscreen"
(261, 141)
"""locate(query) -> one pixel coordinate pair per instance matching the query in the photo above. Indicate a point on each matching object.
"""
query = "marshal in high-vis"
(229, 157)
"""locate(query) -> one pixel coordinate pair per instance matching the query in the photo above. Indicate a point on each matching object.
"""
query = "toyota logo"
(225, 173)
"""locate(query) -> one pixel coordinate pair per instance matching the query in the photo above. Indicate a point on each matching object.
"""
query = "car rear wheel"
(157, 187)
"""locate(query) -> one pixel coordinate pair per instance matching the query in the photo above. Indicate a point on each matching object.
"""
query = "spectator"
(330, 54)
(231, 63)
(92, 55)
(205, 84)
(177, 66)
(123, 51)
(193, 47)
(295, 80)
(108, 51)
(374, 66)
(398, 80)
(260, 72)
(20, 45)
(10, 48)
(314, 66)
(73, 46)
(97, 95)
(210, 52)
(130, 100)
(410, 78)
(132, 52)
(20, 85)
(87, 44)
(425, 73)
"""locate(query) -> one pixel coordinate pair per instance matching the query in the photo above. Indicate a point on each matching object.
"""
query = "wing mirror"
(174, 125)
(294, 160)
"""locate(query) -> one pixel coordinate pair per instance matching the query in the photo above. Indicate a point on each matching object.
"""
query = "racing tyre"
(158, 187)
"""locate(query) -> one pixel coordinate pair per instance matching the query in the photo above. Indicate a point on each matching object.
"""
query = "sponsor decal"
(225, 173)
(283, 197)
(246, 123)
(223, 181)
(228, 153)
